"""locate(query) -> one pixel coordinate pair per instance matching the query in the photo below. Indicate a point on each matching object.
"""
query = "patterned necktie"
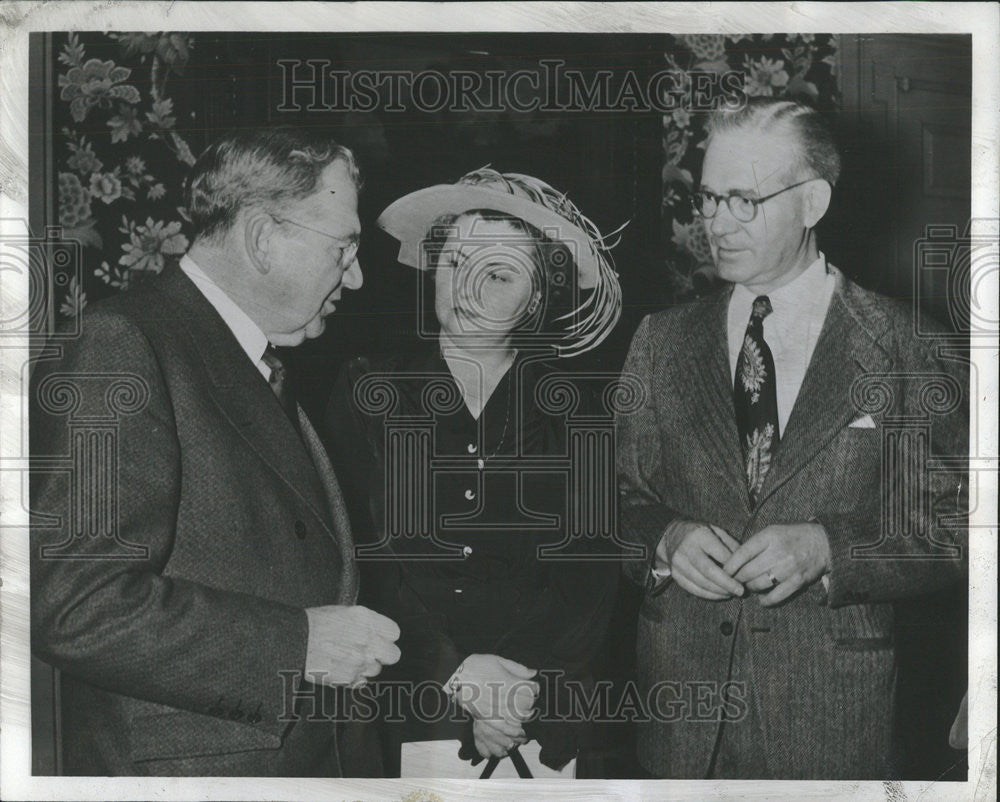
(755, 396)
(281, 385)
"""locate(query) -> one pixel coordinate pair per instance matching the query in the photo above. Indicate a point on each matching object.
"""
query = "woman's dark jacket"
(492, 492)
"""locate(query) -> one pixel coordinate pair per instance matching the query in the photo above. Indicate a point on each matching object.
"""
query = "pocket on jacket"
(166, 736)
(861, 627)
(852, 463)
(864, 644)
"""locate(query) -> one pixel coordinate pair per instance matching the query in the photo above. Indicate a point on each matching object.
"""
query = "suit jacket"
(181, 526)
(820, 667)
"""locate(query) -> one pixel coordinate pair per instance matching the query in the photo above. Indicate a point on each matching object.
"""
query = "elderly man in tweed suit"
(193, 575)
(781, 516)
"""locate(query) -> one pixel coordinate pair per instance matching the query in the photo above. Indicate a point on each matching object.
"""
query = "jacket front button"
(726, 628)
(300, 530)
(255, 717)
(469, 495)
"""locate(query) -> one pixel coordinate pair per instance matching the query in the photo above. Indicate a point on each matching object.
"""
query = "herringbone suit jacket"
(819, 668)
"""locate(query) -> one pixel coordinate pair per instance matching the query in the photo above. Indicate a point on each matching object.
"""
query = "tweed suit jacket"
(819, 668)
(170, 590)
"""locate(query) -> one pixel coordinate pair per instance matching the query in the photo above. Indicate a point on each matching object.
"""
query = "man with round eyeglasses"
(756, 479)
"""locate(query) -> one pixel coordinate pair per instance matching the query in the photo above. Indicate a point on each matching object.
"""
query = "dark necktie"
(755, 396)
(281, 385)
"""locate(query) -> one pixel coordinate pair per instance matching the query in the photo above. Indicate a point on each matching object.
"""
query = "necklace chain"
(503, 435)
(483, 459)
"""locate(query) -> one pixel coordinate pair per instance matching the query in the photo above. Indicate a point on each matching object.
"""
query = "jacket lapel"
(348, 585)
(240, 391)
(848, 347)
(709, 411)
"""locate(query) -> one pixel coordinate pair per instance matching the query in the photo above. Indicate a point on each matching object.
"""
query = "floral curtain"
(121, 157)
(796, 66)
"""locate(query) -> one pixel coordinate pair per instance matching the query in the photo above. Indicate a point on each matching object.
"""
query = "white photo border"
(17, 20)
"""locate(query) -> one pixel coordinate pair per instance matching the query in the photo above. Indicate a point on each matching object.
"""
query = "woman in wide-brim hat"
(441, 447)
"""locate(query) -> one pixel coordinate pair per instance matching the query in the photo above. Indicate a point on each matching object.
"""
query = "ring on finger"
(773, 578)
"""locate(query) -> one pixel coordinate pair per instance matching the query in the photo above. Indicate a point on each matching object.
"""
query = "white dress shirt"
(247, 333)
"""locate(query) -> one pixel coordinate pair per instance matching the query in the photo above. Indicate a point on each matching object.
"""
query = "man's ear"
(816, 201)
(257, 233)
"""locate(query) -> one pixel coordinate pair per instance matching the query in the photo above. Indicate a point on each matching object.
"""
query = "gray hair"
(266, 167)
(817, 149)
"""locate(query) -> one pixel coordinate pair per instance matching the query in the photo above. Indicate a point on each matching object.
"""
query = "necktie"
(281, 385)
(755, 397)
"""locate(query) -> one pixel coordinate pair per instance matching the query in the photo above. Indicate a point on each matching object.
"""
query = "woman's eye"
(497, 276)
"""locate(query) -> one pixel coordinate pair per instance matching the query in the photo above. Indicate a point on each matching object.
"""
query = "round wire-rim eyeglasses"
(742, 207)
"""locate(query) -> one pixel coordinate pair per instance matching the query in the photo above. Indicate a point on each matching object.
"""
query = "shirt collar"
(788, 300)
(248, 334)
(803, 290)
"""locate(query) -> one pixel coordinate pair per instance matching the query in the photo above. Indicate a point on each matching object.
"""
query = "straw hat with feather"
(411, 219)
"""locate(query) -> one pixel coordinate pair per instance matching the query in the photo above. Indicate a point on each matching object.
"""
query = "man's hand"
(348, 645)
(694, 552)
(781, 559)
(496, 738)
(495, 688)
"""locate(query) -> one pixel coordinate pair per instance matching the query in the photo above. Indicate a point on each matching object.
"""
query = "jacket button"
(255, 718)
(469, 495)
(726, 628)
(300, 530)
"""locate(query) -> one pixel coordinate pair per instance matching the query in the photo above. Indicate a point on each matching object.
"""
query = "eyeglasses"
(348, 251)
(743, 208)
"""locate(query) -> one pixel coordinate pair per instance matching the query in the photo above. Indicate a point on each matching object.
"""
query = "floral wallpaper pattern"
(796, 66)
(121, 158)
(122, 149)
